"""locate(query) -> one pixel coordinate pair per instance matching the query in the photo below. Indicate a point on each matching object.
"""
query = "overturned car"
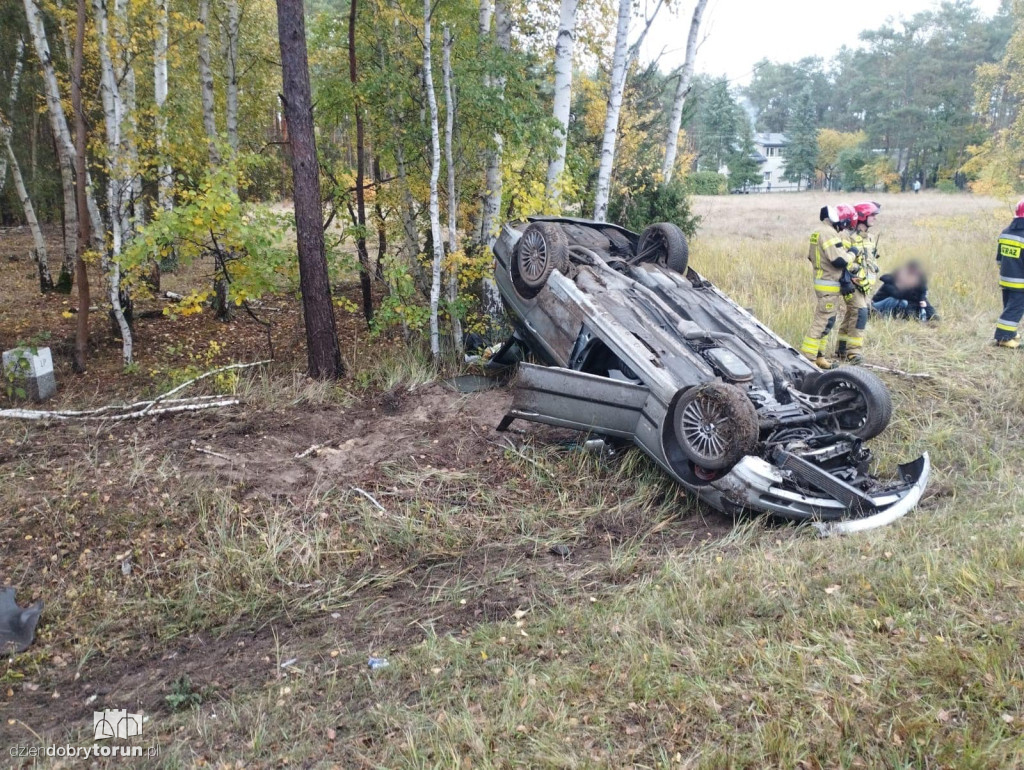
(638, 346)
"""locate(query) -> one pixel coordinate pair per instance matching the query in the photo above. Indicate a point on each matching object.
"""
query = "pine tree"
(744, 170)
(802, 150)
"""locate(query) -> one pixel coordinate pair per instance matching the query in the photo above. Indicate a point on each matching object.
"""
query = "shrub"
(706, 183)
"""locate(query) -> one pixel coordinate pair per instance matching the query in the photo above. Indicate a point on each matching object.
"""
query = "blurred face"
(871, 220)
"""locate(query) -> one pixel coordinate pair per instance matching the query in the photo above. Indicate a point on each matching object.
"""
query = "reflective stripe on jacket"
(829, 258)
(1010, 255)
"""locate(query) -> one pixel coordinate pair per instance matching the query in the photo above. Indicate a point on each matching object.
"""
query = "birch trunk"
(364, 256)
(682, 91)
(117, 183)
(492, 198)
(435, 171)
(160, 80)
(164, 172)
(486, 11)
(231, 111)
(453, 201)
(206, 81)
(564, 45)
(81, 207)
(63, 145)
(39, 252)
(611, 119)
(19, 63)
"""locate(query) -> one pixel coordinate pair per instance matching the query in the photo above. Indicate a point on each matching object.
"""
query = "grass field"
(236, 599)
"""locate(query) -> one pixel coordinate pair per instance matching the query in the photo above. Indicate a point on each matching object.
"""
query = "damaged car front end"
(639, 347)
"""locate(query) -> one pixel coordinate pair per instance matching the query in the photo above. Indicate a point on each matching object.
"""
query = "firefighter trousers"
(816, 339)
(855, 321)
(1013, 311)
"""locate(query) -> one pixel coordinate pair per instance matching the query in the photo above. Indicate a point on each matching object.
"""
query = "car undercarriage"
(637, 346)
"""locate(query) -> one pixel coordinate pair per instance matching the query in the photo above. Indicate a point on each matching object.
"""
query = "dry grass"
(652, 645)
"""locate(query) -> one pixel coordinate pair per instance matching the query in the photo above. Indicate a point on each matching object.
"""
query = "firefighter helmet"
(840, 215)
(865, 210)
(1020, 208)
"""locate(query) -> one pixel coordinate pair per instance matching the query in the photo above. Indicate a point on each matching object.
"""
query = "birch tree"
(435, 171)
(682, 91)
(164, 181)
(231, 72)
(206, 81)
(611, 120)
(118, 181)
(45, 281)
(564, 45)
(81, 204)
(360, 213)
(492, 197)
(63, 145)
(19, 63)
(453, 207)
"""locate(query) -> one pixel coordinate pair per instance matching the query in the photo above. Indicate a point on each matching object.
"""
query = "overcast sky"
(739, 33)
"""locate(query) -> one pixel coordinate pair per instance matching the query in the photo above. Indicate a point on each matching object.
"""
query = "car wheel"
(665, 244)
(542, 250)
(716, 425)
(870, 410)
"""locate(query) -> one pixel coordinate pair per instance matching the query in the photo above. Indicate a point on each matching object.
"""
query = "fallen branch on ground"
(32, 414)
(898, 372)
(116, 413)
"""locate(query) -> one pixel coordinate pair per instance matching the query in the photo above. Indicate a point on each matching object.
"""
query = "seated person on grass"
(904, 294)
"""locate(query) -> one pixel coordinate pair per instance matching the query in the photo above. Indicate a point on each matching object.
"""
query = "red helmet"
(1020, 208)
(865, 210)
(841, 215)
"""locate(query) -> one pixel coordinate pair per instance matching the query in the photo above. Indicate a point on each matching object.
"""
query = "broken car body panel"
(629, 342)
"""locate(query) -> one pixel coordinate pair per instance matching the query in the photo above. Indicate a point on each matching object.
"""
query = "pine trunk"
(435, 170)
(321, 329)
(682, 91)
(611, 120)
(563, 91)
(453, 201)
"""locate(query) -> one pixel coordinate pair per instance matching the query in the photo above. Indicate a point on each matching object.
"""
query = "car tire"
(874, 403)
(715, 424)
(541, 250)
(665, 244)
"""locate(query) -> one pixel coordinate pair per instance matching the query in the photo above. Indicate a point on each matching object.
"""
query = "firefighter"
(830, 258)
(1011, 279)
(863, 271)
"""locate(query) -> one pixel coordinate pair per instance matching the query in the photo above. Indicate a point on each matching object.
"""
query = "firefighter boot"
(1013, 342)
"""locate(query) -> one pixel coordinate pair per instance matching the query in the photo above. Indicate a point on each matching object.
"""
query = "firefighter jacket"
(1009, 256)
(830, 258)
(864, 266)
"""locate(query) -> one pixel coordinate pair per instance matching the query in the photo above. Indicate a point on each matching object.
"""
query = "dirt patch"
(78, 538)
